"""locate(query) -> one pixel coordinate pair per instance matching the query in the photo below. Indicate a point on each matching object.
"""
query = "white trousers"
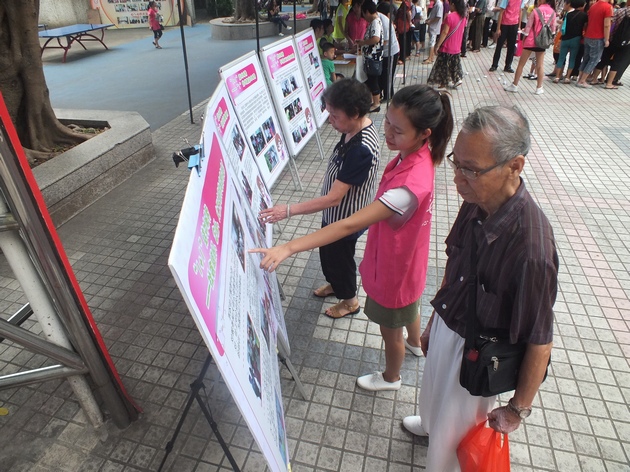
(447, 410)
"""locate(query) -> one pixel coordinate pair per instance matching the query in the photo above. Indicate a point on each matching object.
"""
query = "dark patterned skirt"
(447, 70)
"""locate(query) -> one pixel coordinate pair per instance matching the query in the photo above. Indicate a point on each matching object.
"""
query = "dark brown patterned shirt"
(517, 267)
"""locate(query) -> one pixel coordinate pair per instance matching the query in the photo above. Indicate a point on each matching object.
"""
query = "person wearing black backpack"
(620, 40)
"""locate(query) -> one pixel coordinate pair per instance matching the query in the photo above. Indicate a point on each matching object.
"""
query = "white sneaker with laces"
(413, 424)
(539, 91)
(511, 88)
(376, 383)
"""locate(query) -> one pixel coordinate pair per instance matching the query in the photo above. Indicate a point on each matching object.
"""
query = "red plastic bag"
(482, 450)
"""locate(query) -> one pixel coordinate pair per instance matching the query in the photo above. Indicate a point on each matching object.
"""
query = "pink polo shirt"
(511, 13)
(394, 266)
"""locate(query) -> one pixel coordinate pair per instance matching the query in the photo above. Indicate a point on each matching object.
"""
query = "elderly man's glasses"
(469, 173)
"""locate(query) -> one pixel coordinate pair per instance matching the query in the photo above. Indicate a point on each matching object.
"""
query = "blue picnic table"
(67, 35)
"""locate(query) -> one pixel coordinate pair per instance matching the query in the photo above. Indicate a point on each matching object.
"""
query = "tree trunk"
(244, 10)
(22, 81)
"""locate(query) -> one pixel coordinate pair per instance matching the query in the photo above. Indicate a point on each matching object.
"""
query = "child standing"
(328, 65)
(418, 124)
(154, 24)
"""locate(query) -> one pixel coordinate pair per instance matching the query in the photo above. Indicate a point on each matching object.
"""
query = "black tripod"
(194, 395)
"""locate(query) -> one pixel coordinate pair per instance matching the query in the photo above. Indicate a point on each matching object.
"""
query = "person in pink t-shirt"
(355, 24)
(154, 24)
(546, 10)
(447, 70)
(419, 123)
(508, 22)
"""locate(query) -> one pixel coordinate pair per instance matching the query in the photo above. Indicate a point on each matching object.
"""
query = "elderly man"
(517, 267)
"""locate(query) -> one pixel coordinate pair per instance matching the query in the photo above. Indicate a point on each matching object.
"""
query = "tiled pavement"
(577, 171)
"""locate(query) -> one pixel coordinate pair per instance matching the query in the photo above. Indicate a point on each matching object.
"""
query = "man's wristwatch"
(521, 412)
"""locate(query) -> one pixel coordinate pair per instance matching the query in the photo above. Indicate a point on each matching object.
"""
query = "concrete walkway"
(578, 173)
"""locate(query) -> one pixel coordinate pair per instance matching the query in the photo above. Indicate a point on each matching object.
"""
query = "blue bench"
(67, 35)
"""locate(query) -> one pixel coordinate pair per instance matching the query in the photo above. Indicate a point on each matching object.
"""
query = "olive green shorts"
(391, 317)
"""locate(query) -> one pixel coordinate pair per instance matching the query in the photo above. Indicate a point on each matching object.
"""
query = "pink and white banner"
(248, 92)
(290, 93)
(311, 64)
(236, 305)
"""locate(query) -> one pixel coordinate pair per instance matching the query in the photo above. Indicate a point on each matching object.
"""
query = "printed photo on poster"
(247, 90)
(253, 358)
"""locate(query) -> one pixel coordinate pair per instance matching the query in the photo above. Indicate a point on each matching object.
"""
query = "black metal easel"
(194, 395)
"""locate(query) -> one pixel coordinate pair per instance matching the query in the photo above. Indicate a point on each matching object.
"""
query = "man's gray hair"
(506, 128)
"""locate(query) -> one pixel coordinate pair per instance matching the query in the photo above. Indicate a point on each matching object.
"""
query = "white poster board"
(235, 304)
(249, 181)
(248, 92)
(306, 45)
(289, 92)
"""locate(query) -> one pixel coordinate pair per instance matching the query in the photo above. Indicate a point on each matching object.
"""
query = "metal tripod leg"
(287, 363)
(194, 395)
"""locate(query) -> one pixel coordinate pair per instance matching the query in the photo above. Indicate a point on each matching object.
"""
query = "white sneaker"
(539, 91)
(289, 28)
(376, 383)
(413, 424)
(416, 351)
(280, 34)
(511, 88)
(492, 46)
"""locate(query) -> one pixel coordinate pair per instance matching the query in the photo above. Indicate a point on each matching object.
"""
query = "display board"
(247, 89)
(289, 91)
(134, 14)
(234, 303)
(306, 45)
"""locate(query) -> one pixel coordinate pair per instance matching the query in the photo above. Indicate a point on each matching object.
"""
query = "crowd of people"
(514, 275)
(501, 244)
(591, 46)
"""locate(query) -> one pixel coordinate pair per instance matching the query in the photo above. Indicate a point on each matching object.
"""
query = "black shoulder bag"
(490, 364)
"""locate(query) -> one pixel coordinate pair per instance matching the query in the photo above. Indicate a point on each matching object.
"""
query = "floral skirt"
(447, 70)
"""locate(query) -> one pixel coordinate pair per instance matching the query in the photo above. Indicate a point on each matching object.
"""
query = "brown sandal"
(324, 291)
(333, 311)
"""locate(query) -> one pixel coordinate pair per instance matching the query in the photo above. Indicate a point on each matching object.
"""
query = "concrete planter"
(225, 31)
(75, 179)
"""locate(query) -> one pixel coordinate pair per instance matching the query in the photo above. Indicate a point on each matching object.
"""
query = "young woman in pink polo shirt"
(418, 124)
(545, 10)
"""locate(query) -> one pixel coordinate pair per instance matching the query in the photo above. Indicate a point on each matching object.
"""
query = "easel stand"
(283, 355)
(319, 144)
(194, 395)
